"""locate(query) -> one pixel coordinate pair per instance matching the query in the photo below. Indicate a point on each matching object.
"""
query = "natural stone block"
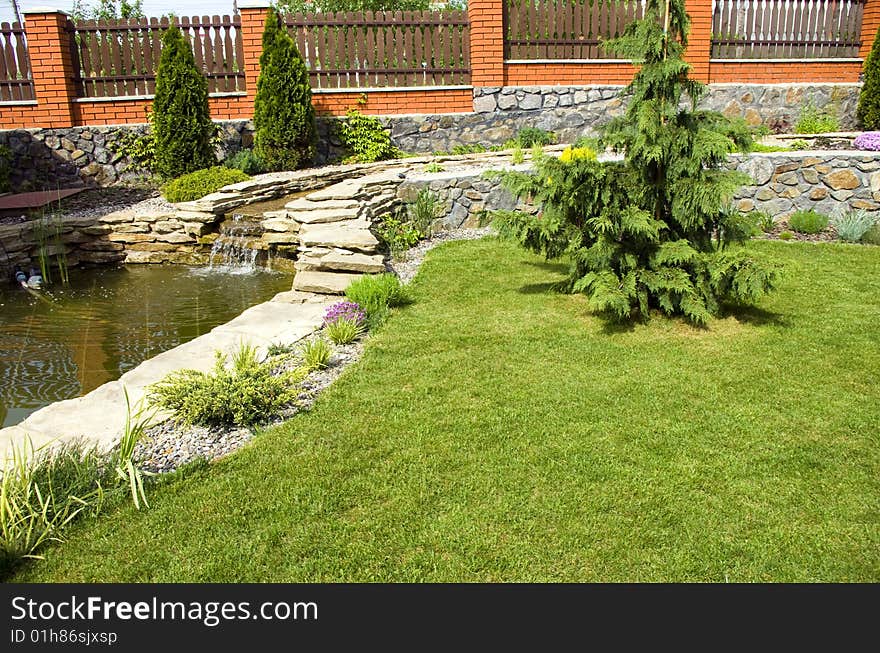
(344, 261)
(330, 283)
(841, 179)
(818, 193)
(347, 235)
(867, 205)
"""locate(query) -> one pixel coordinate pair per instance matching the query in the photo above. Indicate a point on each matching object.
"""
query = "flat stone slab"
(35, 199)
(346, 235)
(306, 204)
(323, 215)
(97, 419)
(324, 282)
(343, 261)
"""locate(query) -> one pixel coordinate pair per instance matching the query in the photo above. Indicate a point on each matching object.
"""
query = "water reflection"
(107, 322)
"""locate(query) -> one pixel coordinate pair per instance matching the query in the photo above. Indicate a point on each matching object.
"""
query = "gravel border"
(167, 445)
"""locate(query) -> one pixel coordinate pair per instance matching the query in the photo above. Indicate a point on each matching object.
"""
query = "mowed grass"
(496, 431)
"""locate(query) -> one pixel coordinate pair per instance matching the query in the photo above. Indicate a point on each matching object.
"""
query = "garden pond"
(64, 341)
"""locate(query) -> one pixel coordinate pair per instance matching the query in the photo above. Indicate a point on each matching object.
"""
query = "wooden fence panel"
(118, 58)
(384, 49)
(16, 84)
(786, 29)
(566, 29)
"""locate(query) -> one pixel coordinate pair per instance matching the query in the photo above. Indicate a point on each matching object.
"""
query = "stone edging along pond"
(331, 230)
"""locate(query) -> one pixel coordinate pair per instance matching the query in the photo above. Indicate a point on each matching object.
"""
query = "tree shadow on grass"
(548, 286)
(756, 316)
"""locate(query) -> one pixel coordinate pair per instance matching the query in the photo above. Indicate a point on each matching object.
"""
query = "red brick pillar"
(870, 23)
(253, 22)
(487, 42)
(700, 38)
(51, 55)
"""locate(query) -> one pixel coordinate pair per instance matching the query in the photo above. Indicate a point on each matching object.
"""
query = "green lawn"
(496, 431)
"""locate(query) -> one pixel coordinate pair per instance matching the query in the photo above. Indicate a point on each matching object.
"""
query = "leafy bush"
(398, 233)
(807, 222)
(785, 235)
(814, 121)
(434, 167)
(284, 118)
(518, 156)
(5, 168)
(200, 183)
(528, 136)
(764, 221)
(366, 139)
(181, 122)
(799, 144)
(140, 149)
(872, 235)
(868, 111)
(867, 141)
(651, 231)
(244, 393)
(760, 147)
(344, 331)
(376, 294)
(473, 148)
(246, 160)
(851, 225)
(316, 354)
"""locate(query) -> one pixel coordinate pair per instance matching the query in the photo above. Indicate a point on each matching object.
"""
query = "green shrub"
(868, 111)
(654, 231)
(473, 148)
(376, 294)
(814, 121)
(398, 233)
(244, 393)
(284, 118)
(589, 142)
(365, 138)
(434, 167)
(528, 136)
(344, 331)
(785, 235)
(764, 221)
(799, 144)
(518, 156)
(807, 222)
(246, 160)
(851, 225)
(181, 122)
(760, 147)
(316, 354)
(200, 183)
(5, 169)
(872, 235)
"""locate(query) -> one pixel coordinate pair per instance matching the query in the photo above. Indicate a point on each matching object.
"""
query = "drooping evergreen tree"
(654, 231)
(182, 127)
(868, 111)
(284, 119)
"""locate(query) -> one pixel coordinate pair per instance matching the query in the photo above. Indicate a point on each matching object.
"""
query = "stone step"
(280, 224)
(352, 235)
(328, 283)
(307, 204)
(324, 216)
(343, 261)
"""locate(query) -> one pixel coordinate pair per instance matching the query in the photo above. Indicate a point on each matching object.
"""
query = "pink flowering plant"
(867, 141)
(348, 311)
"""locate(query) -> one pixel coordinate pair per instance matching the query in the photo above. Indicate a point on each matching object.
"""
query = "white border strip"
(134, 98)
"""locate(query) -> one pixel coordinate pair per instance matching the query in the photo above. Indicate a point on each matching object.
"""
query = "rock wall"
(51, 158)
(784, 182)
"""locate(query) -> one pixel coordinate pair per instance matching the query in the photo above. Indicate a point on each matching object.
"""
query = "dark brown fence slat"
(786, 29)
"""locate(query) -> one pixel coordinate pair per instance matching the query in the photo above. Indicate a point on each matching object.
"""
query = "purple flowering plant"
(350, 311)
(867, 141)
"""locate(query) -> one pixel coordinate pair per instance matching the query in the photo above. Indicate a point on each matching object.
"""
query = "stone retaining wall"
(51, 158)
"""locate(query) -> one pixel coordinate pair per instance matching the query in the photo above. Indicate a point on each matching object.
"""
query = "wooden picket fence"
(566, 29)
(120, 57)
(16, 84)
(380, 49)
(786, 29)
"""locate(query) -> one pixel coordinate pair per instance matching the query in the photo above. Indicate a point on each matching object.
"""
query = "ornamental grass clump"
(651, 232)
(377, 294)
(808, 222)
(867, 141)
(853, 224)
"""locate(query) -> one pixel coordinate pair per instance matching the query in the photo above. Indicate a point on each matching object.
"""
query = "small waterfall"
(234, 250)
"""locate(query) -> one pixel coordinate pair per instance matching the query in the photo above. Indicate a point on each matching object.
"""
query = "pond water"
(67, 340)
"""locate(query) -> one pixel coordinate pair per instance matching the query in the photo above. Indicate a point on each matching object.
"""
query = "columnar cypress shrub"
(182, 127)
(654, 231)
(284, 119)
(868, 111)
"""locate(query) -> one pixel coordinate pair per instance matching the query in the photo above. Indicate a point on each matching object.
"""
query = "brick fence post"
(253, 22)
(870, 23)
(486, 19)
(52, 69)
(699, 47)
